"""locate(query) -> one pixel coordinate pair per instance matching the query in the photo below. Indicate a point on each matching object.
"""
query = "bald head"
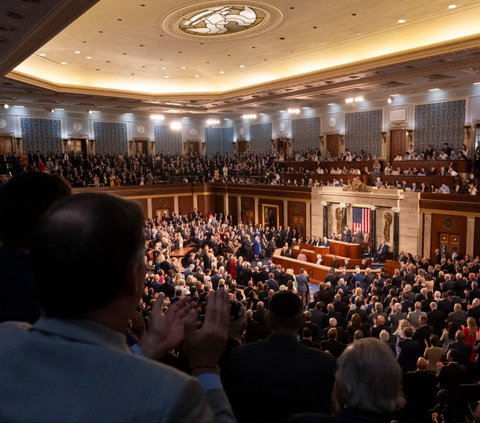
(421, 364)
(82, 236)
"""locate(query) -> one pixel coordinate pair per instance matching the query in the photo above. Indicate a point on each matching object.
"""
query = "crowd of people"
(221, 326)
(253, 168)
(427, 313)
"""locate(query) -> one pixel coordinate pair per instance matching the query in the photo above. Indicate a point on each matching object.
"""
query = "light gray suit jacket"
(80, 371)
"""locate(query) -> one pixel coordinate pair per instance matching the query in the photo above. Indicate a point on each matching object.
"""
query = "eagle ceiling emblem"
(222, 20)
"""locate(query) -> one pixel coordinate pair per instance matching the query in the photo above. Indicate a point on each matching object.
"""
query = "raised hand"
(167, 328)
(203, 346)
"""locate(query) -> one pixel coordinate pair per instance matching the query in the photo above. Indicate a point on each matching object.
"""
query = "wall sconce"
(390, 100)
(322, 140)
(175, 125)
(293, 111)
(468, 131)
(384, 136)
(342, 139)
(354, 100)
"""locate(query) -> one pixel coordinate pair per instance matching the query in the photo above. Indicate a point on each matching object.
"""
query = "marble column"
(308, 222)
(427, 234)
(373, 229)
(344, 216)
(226, 210)
(325, 218)
(239, 208)
(396, 231)
(176, 207)
(150, 208)
(470, 241)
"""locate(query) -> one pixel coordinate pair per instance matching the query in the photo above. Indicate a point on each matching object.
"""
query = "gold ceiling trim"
(462, 44)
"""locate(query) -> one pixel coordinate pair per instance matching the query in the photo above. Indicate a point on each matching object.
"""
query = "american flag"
(361, 219)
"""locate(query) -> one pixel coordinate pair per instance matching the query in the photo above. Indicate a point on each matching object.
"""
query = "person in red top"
(470, 332)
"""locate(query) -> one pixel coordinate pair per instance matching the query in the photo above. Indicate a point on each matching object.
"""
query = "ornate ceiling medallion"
(221, 20)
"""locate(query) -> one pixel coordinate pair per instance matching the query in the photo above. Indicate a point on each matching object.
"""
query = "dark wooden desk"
(345, 249)
(181, 252)
(317, 272)
(327, 256)
(391, 265)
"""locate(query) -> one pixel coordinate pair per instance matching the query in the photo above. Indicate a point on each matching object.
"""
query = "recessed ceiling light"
(6, 106)
(434, 89)
(184, 67)
(42, 54)
(221, 71)
(331, 104)
(166, 76)
(476, 83)
(78, 52)
(452, 6)
(197, 76)
(164, 68)
(401, 21)
(242, 66)
(63, 63)
(88, 57)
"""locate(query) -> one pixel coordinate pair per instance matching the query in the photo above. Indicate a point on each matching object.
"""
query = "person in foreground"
(23, 200)
(280, 373)
(368, 386)
(73, 364)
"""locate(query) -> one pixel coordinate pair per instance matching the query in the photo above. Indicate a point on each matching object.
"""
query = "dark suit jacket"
(436, 318)
(333, 347)
(18, 296)
(410, 350)
(450, 377)
(464, 351)
(419, 388)
(284, 375)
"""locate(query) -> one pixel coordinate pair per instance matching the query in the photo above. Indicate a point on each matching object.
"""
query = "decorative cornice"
(297, 83)
(53, 21)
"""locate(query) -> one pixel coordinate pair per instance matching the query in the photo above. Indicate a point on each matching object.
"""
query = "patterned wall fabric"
(363, 131)
(305, 133)
(438, 123)
(261, 138)
(110, 137)
(166, 140)
(219, 140)
(41, 134)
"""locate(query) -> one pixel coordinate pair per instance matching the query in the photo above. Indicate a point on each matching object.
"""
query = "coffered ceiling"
(222, 57)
